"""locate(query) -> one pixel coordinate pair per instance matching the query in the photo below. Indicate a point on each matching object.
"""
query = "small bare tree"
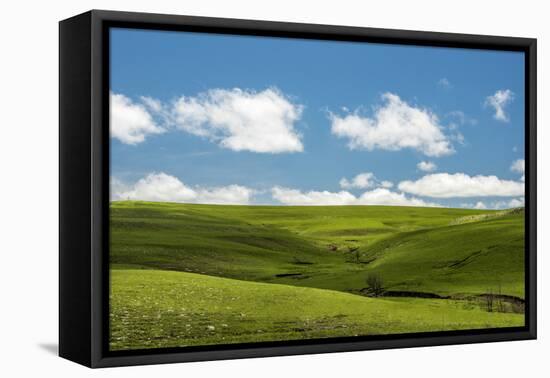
(489, 300)
(375, 284)
(500, 302)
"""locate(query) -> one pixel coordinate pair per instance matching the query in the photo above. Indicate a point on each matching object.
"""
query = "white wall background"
(29, 186)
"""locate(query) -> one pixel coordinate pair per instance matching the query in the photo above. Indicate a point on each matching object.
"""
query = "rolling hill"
(155, 309)
(459, 256)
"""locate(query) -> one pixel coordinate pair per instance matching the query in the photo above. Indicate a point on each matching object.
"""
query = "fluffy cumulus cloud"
(378, 196)
(382, 196)
(131, 122)
(295, 197)
(241, 120)
(236, 119)
(166, 188)
(480, 205)
(446, 185)
(363, 181)
(497, 205)
(518, 166)
(394, 126)
(426, 166)
(517, 202)
(513, 203)
(498, 102)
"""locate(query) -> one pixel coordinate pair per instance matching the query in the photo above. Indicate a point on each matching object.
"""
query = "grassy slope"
(152, 308)
(415, 249)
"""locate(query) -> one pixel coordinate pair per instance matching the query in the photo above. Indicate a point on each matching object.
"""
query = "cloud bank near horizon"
(458, 185)
(163, 187)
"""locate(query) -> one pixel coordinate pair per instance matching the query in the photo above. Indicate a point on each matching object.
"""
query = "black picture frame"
(84, 186)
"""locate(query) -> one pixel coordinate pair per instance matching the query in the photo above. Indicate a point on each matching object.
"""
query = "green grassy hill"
(153, 309)
(416, 249)
(179, 269)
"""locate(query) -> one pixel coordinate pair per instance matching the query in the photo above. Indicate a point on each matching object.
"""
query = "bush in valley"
(375, 284)
(489, 301)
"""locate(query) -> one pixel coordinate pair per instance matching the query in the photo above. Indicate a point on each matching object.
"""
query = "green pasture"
(154, 309)
(417, 249)
(300, 272)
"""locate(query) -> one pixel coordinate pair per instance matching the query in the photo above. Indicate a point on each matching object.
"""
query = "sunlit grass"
(185, 275)
(153, 309)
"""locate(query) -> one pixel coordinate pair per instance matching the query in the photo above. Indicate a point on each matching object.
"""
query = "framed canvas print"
(233, 188)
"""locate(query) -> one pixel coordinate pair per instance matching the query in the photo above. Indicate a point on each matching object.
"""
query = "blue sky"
(238, 119)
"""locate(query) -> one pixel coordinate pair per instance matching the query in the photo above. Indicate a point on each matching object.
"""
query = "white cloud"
(131, 122)
(480, 205)
(153, 104)
(445, 185)
(496, 205)
(117, 186)
(296, 197)
(394, 126)
(519, 167)
(444, 83)
(361, 181)
(514, 202)
(426, 166)
(242, 120)
(382, 196)
(166, 188)
(236, 119)
(232, 194)
(517, 202)
(498, 102)
(379, 196)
